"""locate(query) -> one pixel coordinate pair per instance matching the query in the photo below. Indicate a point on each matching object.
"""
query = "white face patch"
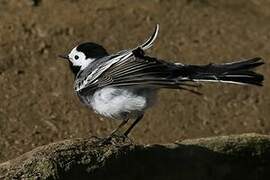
(78, 58)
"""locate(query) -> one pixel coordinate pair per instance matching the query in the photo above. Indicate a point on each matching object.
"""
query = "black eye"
(76, 57)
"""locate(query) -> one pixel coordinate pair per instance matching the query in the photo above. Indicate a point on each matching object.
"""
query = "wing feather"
(133, 68)
(89, 76)
(139, 71)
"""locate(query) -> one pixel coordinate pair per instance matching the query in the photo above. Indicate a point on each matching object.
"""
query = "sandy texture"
(38, 105)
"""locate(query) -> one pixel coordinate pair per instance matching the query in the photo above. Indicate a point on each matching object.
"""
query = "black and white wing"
(140, 70)
(132, 68)
(121, 68)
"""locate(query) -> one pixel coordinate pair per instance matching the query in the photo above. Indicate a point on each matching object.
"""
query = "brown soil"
(38, 104)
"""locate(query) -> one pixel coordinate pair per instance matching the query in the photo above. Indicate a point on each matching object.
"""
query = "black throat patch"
(74, 69)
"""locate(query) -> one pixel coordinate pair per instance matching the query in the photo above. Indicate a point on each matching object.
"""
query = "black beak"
(64, 56)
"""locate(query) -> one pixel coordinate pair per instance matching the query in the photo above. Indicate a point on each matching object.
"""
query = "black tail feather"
(240, 72)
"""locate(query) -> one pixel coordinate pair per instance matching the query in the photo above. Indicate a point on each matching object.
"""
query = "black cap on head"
(92, 50)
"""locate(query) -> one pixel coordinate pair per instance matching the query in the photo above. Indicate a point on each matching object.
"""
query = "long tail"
(240, 72)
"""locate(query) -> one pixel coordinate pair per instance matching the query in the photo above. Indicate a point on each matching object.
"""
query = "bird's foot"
(114, 139)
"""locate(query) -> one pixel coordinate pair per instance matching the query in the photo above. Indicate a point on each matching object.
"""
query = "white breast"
(118, 102)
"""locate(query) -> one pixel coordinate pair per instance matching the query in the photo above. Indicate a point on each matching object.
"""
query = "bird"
(123, 85)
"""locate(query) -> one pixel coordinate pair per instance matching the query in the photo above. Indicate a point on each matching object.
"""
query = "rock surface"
(226, 157)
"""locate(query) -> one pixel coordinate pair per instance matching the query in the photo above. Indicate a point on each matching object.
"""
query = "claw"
(114, 139)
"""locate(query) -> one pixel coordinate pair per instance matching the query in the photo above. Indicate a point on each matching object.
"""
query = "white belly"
(118, 102)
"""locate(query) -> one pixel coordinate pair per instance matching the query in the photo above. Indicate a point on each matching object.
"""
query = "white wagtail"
(123, 85)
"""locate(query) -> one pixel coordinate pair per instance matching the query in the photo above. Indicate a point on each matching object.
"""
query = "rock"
(226, 157)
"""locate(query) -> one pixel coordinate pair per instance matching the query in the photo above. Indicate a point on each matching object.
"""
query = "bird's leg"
(115, 131)
(132, 125)
(114, 134)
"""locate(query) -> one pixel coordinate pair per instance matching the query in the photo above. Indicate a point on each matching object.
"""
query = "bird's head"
(84, 54)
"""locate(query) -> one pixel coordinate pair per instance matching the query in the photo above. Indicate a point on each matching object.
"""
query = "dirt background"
(37, 103)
